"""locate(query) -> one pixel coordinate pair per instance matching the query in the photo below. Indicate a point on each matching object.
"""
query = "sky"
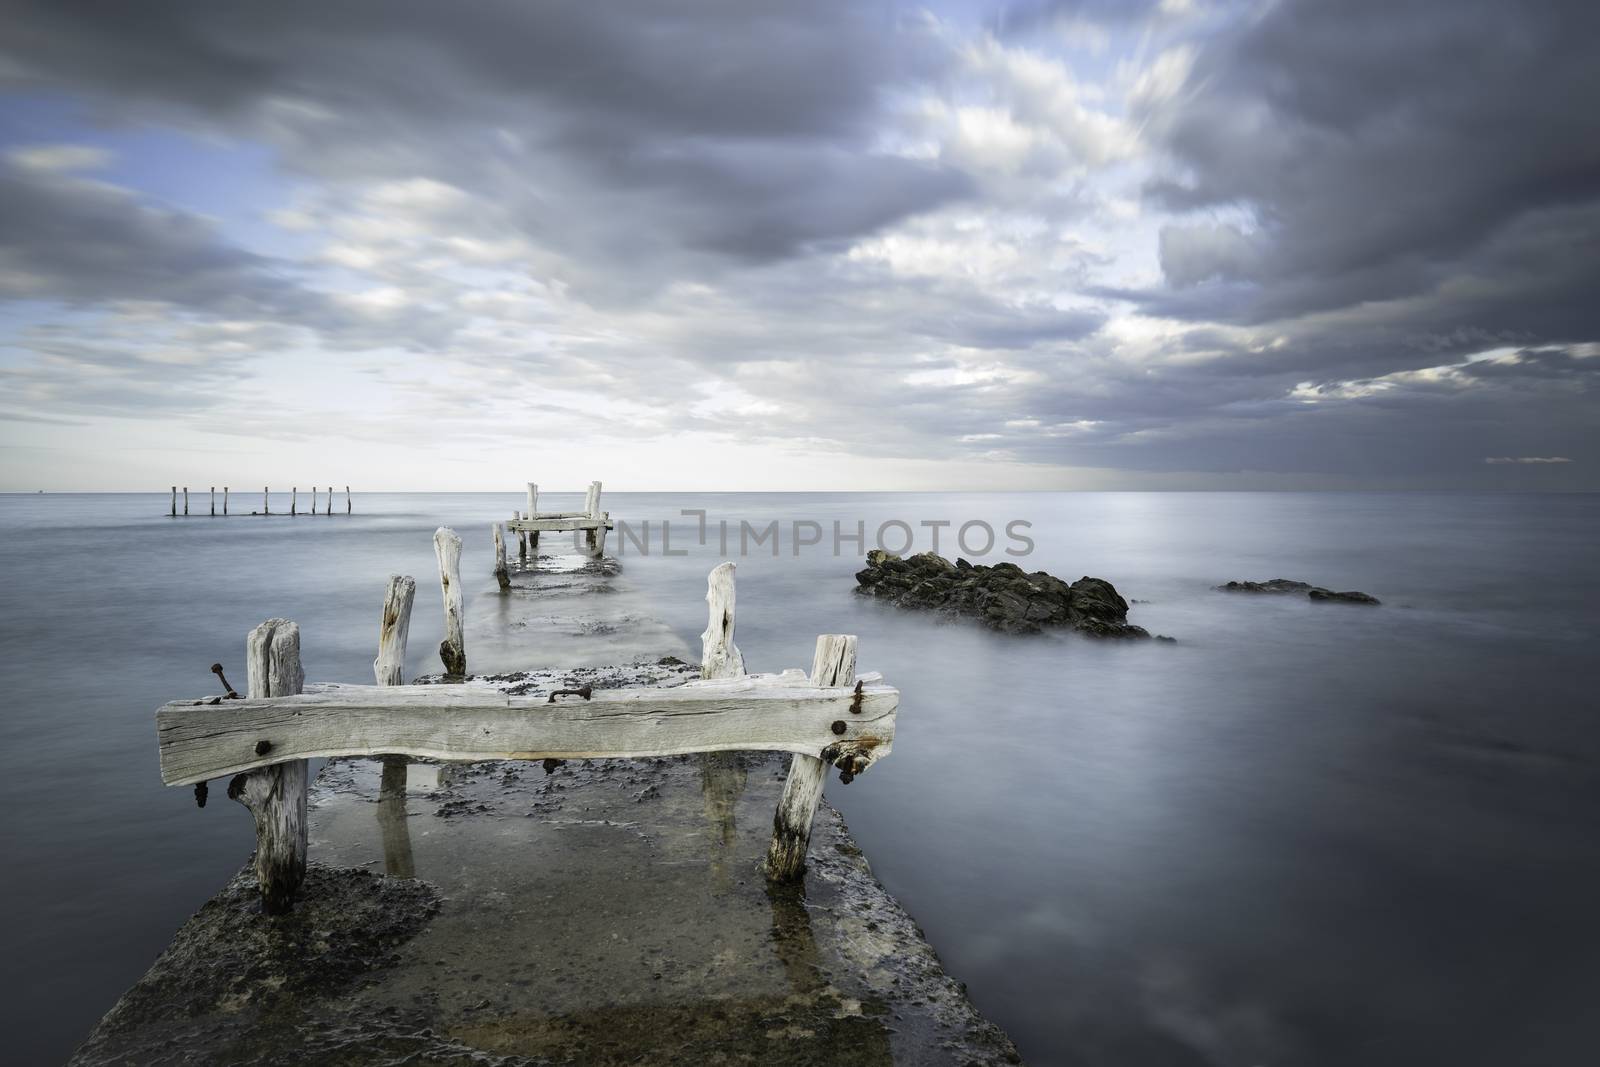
(741, 245)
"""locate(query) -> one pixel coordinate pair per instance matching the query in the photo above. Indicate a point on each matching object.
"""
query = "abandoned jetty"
(598, 862)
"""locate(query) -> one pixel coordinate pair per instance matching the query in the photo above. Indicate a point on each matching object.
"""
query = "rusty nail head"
(263, 747)
(838, 726)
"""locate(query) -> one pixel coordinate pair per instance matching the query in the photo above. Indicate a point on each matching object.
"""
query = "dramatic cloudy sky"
(739, 244)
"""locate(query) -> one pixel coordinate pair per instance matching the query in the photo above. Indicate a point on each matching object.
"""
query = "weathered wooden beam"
(719, 656)
(500, 573)
(390, 665)
(833, 665)
(453, 649)
(275, 794)
(556, 524)
(778, 713)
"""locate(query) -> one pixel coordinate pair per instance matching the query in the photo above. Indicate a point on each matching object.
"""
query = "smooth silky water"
(1304, 834)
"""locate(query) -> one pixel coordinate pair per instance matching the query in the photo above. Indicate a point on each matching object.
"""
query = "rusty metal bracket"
(585, 693)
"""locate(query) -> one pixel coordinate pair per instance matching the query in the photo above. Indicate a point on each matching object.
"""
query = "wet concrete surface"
(599, 912)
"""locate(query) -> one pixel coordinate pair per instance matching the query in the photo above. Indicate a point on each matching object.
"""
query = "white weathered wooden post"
(500, 574)
(224, 500)
(174, 501)
(719, 656)
(533, 512)
(390, 665)
(275, 795)
(294, 492)
(834, 664)
(597, 541)
(186, 500)
(453, 649)
(522, 538)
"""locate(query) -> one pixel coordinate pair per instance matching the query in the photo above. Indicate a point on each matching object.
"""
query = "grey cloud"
(82, 242)
(1386, 148)
(680, 134)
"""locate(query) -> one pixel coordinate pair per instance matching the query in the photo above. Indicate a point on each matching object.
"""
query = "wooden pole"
(453, 649)
(294, 491)
(266, 500)
(275, 795)
(834, 664)
(719, 656)
(533, 499)
(213, 500)
(224, 500)
(591, 508)
(500, 574)
(390, 665)
(522, 540)
(186, 500)
(174, 501)
(347, 500)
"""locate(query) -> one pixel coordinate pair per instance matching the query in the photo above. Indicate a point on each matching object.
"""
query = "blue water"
(1304, 834)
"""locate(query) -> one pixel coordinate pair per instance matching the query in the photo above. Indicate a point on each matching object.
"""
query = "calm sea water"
(1305, 834)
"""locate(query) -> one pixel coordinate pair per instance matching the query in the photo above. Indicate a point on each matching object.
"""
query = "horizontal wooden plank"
(461, 722)
(544, 524)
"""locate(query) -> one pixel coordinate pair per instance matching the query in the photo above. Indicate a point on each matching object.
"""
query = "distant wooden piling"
(174, 501)
(213, 500)
(275, 795)
(346, 500)
(500, 573)
(294, 492)
(224, 500)
(186, 500)
(453, 649)
(533, 509)
(390, 665)
(522, 538)
(266, 500)
(833, 665)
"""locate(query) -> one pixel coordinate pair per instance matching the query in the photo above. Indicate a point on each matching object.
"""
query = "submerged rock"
(1287, 585)
(1003, 597)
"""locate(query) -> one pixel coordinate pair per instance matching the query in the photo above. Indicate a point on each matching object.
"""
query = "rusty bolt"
(216, 669)
(263, 747)
(855, 700)
(838, 726)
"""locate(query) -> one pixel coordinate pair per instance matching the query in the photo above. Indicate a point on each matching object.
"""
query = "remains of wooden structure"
(264, 740)
(266, 501)
(591, 519)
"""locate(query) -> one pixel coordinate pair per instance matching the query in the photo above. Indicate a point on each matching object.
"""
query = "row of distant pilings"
(266, 501)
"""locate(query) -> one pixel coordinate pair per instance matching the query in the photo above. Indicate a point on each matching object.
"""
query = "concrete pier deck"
(601, 912)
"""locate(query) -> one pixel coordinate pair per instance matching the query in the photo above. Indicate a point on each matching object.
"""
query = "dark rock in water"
(1271, 585)
(1286, 585)
(1350, 596)
(1003, 597)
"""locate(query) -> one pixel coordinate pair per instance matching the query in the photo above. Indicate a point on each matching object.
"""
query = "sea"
(1302, 833)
